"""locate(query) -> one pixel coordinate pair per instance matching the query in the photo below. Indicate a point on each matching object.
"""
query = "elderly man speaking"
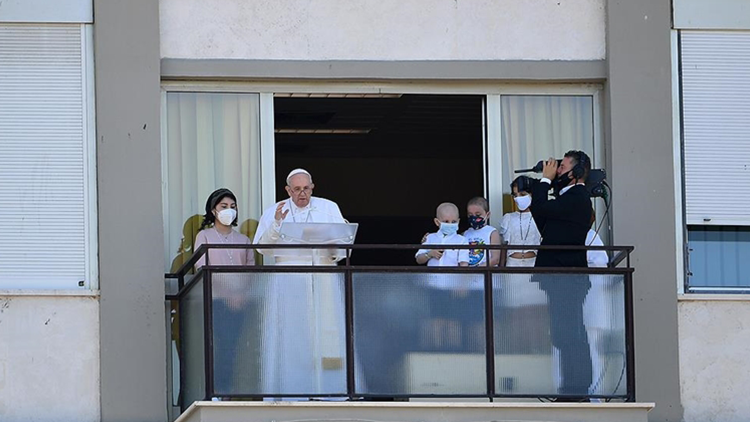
(304, 348)
(301, 207)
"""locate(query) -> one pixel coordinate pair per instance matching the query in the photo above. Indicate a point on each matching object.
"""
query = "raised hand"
(280, 216)
(549, 170)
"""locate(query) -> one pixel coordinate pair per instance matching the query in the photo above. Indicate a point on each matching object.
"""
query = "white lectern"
(314, 234)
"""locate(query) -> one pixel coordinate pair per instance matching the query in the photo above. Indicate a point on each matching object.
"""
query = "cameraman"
(565, 221)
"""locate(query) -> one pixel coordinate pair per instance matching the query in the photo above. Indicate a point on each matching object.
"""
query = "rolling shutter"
(716, 120)
(43, 127)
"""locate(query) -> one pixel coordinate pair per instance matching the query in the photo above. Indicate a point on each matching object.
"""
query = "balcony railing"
(371, 332)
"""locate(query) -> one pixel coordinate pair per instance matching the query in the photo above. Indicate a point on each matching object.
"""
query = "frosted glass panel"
(559, 334)
(414, 334)
(237, 331)
(280, 333)
(419, 333)
(192, 346)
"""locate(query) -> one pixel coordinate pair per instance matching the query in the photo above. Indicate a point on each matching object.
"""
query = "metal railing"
(204, 322)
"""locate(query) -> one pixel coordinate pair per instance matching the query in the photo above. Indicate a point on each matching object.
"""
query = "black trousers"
(565, 297)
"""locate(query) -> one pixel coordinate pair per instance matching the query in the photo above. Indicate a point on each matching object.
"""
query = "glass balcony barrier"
(351, 332)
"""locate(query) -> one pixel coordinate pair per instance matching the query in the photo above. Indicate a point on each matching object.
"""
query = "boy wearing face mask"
(443, 330)
(447, 221)
(481, 233)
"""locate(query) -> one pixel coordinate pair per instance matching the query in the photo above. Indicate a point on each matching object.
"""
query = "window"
(714, 81)
(536, 127)
(718, 257)
(47, 159)
(212, 140)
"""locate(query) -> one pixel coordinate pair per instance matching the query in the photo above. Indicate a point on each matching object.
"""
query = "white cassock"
(303, 346)
(603, 314)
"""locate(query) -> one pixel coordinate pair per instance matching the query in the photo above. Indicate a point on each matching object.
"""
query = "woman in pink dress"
(231, 305)
(221, 216)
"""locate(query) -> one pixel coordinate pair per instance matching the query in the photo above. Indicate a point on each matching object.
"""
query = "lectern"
(314, 234)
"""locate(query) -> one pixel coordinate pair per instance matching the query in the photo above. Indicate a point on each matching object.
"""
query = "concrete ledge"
(414, 412)
(520, 70)
(49, 292)
(699, 297)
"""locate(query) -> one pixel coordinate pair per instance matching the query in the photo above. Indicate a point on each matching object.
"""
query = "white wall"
(383, 29)
(714, 350)
(47, 11)
(714, 14)
(49, 358)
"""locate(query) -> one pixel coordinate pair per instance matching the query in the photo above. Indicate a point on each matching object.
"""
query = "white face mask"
(523, 202)
(448, 229)
(227, 216)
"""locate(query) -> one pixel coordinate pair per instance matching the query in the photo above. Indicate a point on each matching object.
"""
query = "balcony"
(349, 335)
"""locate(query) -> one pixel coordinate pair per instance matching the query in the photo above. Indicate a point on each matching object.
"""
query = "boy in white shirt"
(447, 221)
(445, 291)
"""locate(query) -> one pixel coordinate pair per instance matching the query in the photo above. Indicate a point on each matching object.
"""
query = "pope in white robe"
(304, 347)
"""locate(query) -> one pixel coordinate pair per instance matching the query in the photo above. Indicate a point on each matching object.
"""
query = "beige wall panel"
(383, 29)
(49, 358)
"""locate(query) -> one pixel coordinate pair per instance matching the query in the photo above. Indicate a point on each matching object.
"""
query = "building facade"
(97, 187)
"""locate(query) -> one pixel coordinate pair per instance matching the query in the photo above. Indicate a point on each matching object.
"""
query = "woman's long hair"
(209, 219)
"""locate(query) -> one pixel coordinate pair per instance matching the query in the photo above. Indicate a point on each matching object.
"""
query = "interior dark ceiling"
(411, 125)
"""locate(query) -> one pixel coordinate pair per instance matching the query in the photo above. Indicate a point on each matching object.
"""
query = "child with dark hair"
(518, 228)
(522, 302)
(220, 217)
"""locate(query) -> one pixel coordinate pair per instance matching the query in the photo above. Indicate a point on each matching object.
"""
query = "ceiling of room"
(406, 125)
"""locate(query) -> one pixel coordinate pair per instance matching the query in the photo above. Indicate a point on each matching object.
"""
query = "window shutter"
(716, 121)
(42, 157)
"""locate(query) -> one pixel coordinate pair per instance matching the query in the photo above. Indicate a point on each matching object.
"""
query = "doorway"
(386, 160)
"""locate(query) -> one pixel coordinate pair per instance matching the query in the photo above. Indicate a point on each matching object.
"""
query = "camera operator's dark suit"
(565, 221)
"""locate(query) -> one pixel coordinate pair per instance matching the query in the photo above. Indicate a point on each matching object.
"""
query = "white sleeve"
(504, 222)
(596, 259)
(268, 229)
(423, 251)
(336, 212)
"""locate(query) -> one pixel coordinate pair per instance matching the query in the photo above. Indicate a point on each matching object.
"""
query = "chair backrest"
(248, 228)
(189, 231)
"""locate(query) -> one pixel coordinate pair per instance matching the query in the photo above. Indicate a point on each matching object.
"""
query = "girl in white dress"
(521, 300)
(518, 228)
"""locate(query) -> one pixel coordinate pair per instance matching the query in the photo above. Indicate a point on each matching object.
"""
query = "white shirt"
(451, 257)
(519, 228)
(563, 190)
(480, 238)
(596, 258)
(318, 210)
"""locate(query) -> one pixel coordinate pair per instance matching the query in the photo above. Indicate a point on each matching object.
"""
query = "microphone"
(537, 168)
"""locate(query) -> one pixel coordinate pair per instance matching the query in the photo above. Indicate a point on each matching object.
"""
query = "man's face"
(564, 167)
(300, 189)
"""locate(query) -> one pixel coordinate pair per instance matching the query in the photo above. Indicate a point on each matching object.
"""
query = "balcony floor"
(414, 412)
